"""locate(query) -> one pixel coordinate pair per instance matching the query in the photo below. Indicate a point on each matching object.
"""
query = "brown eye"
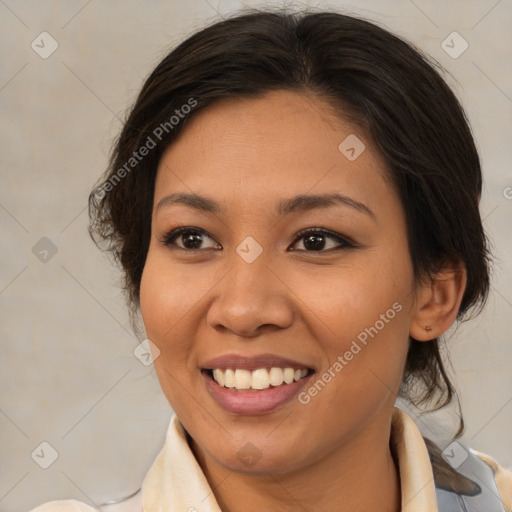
(321, 240)
(189, 239)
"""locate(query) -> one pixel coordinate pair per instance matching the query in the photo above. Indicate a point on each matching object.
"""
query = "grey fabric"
(486, 500)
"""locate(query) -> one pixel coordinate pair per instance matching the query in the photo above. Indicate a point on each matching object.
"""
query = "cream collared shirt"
(176, 483)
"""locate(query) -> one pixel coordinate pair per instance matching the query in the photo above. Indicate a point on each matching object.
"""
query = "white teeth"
(258, 379)
(288, 375)
(218, 375)
(229, 378)
(276, 376)
(243, 379)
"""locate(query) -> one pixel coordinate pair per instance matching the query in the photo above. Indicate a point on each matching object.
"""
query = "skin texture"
(332, 453)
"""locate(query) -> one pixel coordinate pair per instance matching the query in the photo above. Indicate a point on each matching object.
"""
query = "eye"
(321, 240)
(314, 240)
(190, 239)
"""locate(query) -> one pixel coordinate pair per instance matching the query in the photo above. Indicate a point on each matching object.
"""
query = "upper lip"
(234, 361)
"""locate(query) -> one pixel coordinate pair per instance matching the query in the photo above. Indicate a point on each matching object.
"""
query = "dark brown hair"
(368, 76)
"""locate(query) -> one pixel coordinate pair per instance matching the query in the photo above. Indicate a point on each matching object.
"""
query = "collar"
(175, 481)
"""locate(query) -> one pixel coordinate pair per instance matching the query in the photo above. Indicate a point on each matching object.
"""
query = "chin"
(260, 463)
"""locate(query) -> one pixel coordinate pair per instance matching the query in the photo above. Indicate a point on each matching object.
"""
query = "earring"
(428, 328)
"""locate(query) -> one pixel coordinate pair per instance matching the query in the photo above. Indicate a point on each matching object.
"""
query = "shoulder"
(64, 506)
(131, 504)
(469, 480)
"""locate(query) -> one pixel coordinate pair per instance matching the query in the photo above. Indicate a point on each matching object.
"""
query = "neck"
(358, 476)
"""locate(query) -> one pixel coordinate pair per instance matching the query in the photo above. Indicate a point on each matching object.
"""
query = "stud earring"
(428, 328)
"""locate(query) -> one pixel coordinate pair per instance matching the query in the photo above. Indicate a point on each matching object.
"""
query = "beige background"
(68, 375)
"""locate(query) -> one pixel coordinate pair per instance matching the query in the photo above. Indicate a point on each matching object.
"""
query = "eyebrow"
(296, 204)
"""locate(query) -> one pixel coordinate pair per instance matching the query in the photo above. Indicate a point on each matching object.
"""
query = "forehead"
(279, 144)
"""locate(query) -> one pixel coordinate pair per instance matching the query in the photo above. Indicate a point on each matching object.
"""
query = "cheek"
(164, 303)
(362, 317)
(165, 300)
(347, 299)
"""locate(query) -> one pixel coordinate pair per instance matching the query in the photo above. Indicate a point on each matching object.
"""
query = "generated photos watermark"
(355, 348)
(151, 142)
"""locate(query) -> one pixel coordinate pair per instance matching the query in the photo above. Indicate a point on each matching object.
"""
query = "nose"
(251, 299)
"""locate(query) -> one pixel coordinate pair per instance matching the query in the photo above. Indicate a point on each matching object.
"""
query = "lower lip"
(253, 402)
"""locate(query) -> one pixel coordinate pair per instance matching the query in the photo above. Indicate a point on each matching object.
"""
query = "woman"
(294, 203)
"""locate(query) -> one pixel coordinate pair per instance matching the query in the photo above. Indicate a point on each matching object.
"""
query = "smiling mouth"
(256, 380)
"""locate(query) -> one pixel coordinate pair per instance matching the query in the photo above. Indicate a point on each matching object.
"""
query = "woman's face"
(243, 288)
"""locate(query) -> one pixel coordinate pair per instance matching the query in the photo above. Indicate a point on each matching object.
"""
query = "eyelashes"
(313, 239)
(194, 233)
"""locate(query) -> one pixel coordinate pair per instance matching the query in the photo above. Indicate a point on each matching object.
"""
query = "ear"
(437, 301)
